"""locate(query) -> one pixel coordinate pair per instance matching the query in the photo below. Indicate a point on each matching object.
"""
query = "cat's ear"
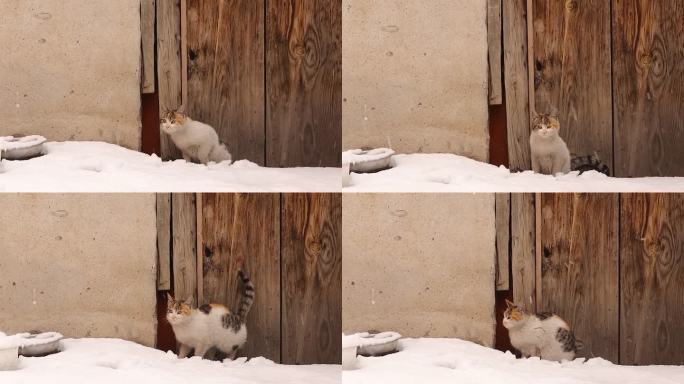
(510, 304)
(188, 301)
(169, 298)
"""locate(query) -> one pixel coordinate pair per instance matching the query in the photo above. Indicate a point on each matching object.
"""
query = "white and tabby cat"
(550, 154)
(210, 325)
(544, 335)
(197, 141)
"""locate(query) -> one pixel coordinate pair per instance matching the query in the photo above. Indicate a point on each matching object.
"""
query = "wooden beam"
(523, 255)
(147, 31)
(494, 43)
(169, 67)
(503, 238)
(164, 241)
(184, 242)
(516, 83)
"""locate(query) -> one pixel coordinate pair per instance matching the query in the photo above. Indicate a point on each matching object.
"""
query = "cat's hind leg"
(183, 351)
(201, 350)
(203, 153)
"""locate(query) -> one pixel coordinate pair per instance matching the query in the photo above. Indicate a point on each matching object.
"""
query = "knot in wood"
(571, 5)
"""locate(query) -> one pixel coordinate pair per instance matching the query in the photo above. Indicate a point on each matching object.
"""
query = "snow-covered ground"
(115, 361)
(452, 361)
(452, 173)
(102, 167)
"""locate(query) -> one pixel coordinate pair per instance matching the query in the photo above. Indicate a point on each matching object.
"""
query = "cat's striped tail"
(589, 163)
(247, 297)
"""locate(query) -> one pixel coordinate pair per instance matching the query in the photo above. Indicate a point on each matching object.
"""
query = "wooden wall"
(266, 74)
(290, 245)
(611, 265)
(613, 71)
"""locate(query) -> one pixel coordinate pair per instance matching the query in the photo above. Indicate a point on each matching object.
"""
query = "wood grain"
(652, 279)
(572, 72)
(147, 26)
(164, 241)
(168, 67)
(241, 231)
(184, 243)
(494, 42)
(648, 92)
(304, 83)
(503, 237)
(516, 83)
(523, 249)
(579, 238)
(312, 278)
(226, 72)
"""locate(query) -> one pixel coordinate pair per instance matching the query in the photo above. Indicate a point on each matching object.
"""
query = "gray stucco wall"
(70, 70)
(419, 264)
(415, 76)
(80, 264)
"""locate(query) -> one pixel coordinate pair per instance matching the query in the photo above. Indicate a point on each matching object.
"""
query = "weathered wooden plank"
(579, 238)
(651, 279)
(184, 240)
(523, 249)
(304, 83)
(516, 83)
(503, 237)
(648, 92)
(164, 241)
(226, 72)
(572, 72)
(169, 67)
(312, 278)
(494, 42)
(147, 30)
(242, 231)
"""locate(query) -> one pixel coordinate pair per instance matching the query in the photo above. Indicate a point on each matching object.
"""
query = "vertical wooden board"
(516, 83)
(241, 231)
(304, 83)
(579, 238)
(572, 72)
(184, 245)
(652, 279)
(312, 278)
(494, 42)
(648, 87)
(523, 249)
(503, 237)
(168, 67)
(226, 72)
(147, 23)
(164, 241)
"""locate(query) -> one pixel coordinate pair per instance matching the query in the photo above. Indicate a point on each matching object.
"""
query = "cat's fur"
(210, 325)
(197, 141)
(550, 154)
(544, 335)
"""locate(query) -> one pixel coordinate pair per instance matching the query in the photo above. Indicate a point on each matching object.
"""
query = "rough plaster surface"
(415, 76)
(80, 264)
(70, 70)
(419, 264)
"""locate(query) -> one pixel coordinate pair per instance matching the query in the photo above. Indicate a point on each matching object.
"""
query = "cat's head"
(177, 311)
(545, 125)
(172, 121)
(512, 315)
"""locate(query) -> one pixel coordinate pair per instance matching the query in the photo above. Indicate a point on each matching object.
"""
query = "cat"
(197, 141)
(210, 325)
(544, 335)
(550, 154)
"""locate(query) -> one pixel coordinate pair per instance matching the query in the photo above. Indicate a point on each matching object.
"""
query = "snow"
(452, 173)
(106, 361)
(458, 361)
(101, 167)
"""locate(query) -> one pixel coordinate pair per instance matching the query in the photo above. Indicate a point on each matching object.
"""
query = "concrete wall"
(419, 264)
(70, 69)
(415, 76)
(80, 264)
